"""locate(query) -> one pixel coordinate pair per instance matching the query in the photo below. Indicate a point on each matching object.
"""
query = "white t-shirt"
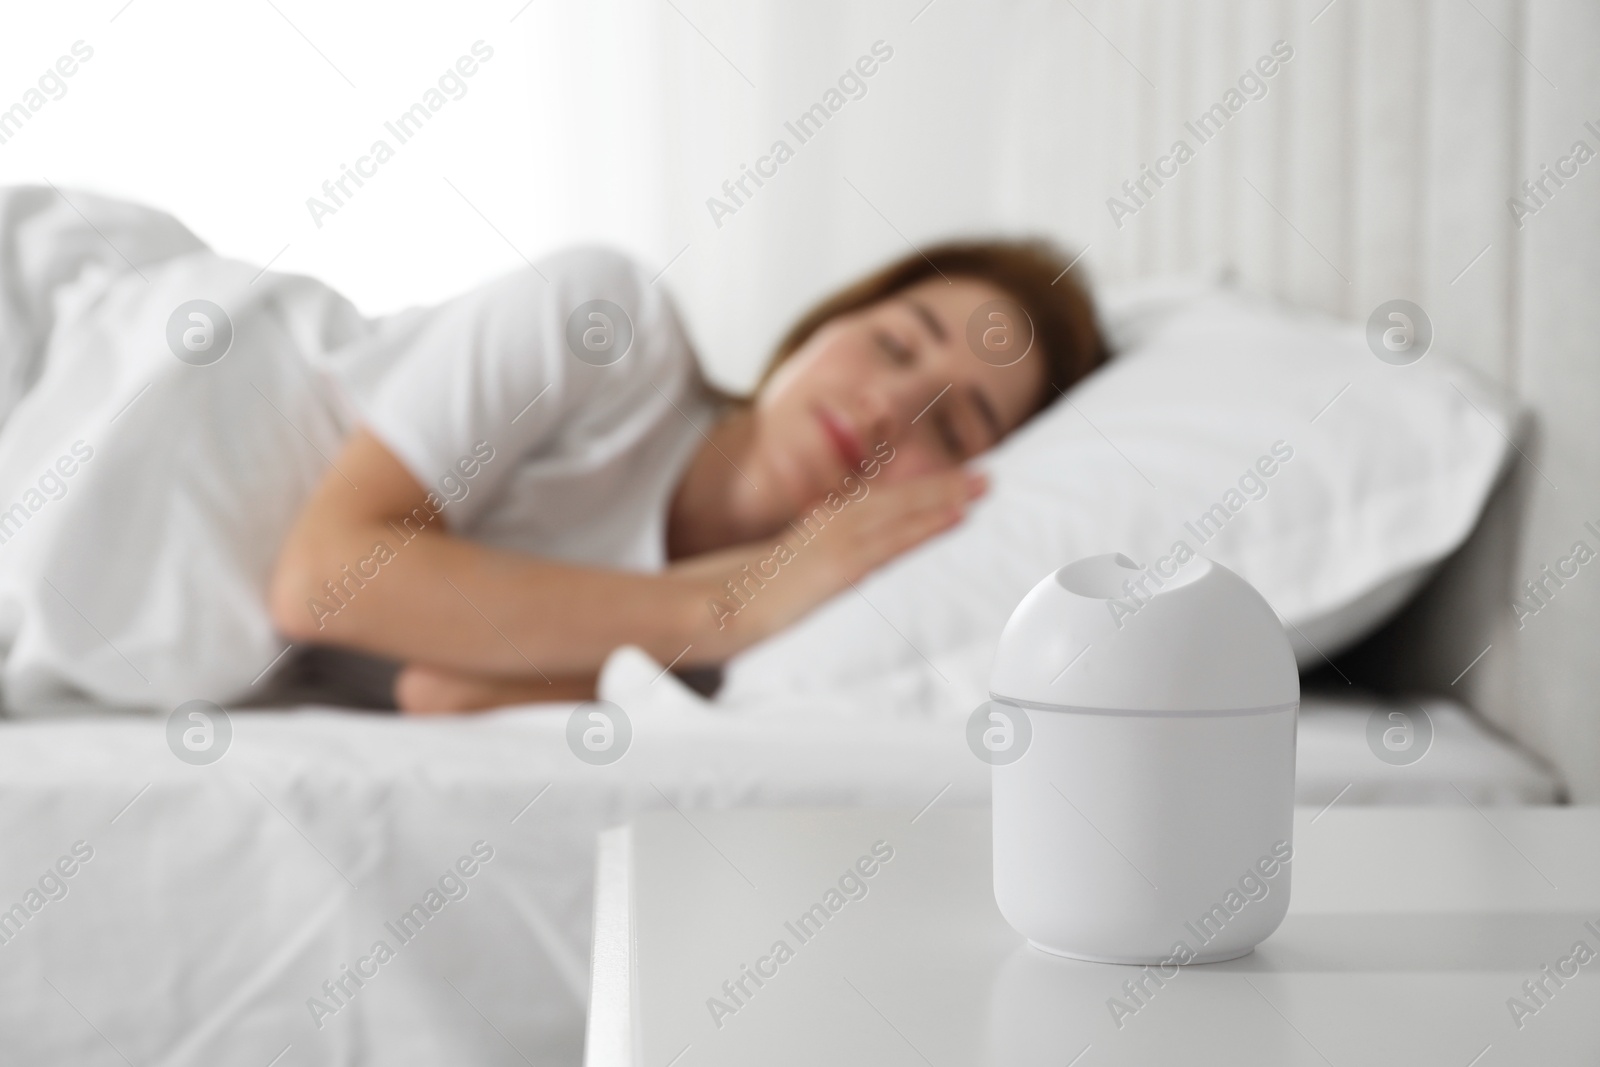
(542, 421)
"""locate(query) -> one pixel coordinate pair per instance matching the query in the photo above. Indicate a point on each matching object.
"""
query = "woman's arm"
(466, 608)
(444, 600)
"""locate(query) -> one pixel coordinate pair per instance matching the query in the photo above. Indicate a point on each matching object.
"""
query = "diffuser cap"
(1107, 634)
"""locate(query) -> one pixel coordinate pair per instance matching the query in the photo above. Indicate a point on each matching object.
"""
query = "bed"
(219, 899)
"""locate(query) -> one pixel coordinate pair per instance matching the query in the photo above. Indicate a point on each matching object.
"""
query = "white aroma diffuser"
(1150, 818)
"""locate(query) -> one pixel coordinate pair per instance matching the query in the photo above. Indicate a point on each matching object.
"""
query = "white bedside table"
(1409, 931)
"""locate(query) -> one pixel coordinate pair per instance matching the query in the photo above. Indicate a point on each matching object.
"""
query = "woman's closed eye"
(899, 353)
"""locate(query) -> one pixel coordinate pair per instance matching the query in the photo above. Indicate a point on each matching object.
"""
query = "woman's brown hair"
(1034, 273)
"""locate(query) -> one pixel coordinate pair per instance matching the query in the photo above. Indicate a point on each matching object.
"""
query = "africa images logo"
(599, 732)
(199, 332)
(199, 732)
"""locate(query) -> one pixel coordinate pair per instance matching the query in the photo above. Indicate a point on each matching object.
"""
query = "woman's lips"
(846, 442)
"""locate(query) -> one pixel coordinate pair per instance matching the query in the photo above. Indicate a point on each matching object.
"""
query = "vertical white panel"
(1182, 240)
(1255, 143)
(1065, 176)
(1081, 151)
(1557, 674)
(1211, 180)
(1391, 136)
(1028, 112)
(1318, 89)
(1166, 235)
(1120, 100)
(1468, 251)
(708, 54)
(1268, 138)
(1135, 36)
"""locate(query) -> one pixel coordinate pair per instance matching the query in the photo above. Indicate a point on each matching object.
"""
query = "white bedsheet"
(219, 899)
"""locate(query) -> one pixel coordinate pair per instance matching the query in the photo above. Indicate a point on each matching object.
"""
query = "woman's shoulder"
(593, 264)
(577, 276)
(612, 312)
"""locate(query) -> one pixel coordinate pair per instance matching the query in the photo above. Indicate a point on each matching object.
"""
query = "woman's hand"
(421, 689)
(757, 589)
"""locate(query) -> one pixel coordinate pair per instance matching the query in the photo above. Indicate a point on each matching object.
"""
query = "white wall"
(228, 117)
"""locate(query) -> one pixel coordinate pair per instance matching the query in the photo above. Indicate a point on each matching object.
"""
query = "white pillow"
(1378, 486)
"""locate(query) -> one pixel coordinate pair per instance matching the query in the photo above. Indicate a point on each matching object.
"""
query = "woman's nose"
(879, 414)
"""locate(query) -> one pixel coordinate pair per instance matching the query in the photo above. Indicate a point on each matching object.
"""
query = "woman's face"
(898, 373)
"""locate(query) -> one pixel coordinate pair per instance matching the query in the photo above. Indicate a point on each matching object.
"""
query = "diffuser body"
(1149, 820)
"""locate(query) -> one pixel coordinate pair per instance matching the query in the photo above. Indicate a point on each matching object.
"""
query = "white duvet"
(142, 498)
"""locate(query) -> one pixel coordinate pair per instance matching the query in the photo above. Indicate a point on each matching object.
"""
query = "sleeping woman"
(613, 498)
(473, 504)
